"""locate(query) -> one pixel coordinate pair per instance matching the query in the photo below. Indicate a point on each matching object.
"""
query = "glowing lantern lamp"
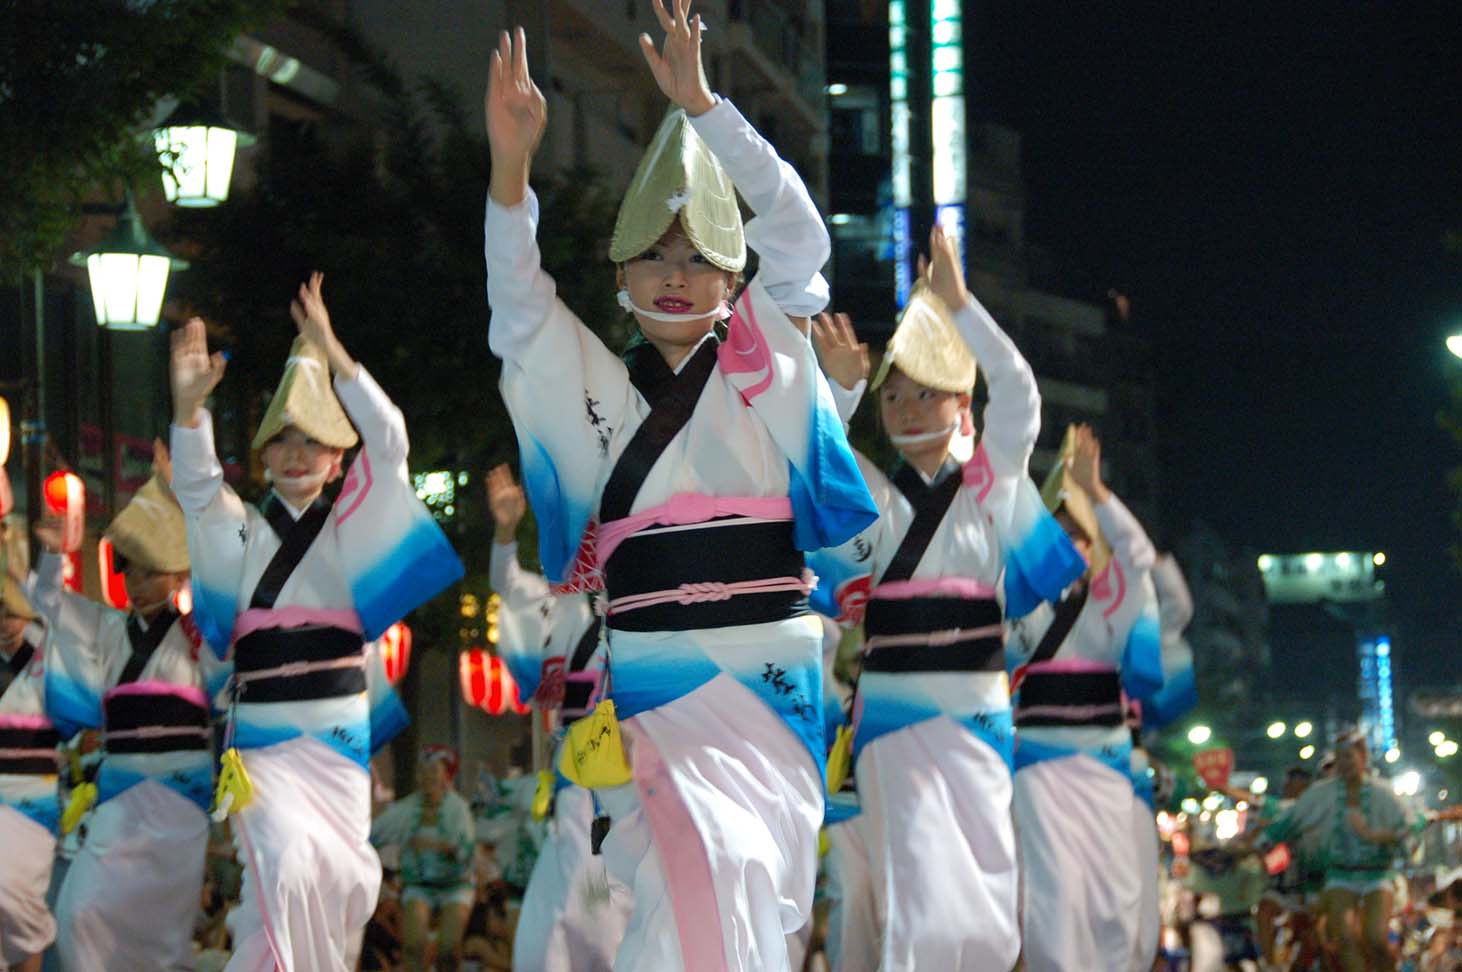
(4, 431)
(129, 273)
(487, 683)
(114, 586)
(65, 496)
(396, 651)
(196, 148)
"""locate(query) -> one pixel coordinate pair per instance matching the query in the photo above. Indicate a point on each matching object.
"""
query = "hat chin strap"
(922, 437)
(722, 311)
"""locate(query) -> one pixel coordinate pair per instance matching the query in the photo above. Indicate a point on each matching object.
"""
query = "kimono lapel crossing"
(295, 540)
(144, 643)
(930, 503)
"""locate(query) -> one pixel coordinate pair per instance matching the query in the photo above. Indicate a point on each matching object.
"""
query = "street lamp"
(1199, 735)
(1275, 730)
(1447, 749)
(1303, 730)
(1306, 752)
(1260, 785)
(128, 272)
(196, 148)
(1454, 344)
(1437, 737)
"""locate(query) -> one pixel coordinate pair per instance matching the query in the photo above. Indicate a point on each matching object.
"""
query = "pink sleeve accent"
(358, 483)
(11, 720)
(258, 619)
(978, 474)
(1110, 584)
(745, 351)
(187, 693)
(684, 509)
(964, 587)
(683, 857)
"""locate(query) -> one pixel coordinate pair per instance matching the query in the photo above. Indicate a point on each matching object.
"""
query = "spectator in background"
(434, 829)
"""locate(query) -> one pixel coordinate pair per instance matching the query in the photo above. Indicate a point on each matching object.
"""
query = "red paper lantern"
(396, 651)
(1214, 767)
(487, 683)
(114, 587)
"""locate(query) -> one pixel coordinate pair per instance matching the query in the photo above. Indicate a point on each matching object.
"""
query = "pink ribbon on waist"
(293, 616)
(685, 509)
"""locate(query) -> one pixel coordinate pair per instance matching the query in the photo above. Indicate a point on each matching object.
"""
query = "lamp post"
(128, 271)
(196, 147)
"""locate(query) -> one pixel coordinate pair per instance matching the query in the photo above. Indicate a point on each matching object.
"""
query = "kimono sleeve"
(388, 712)
(568, 396)
(1039, 559)
(844, 572)
(1123, 592)
(76, 663)
(218, 529)
(523, 619)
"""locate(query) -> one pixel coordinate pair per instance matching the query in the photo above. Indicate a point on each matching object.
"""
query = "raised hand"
(193, 372)
(162, 461)
(943, 271)
(844, 358)
(50, 532)
(313, 320)
(506, 500)
(516, 114)
(1086, 464)
(677, 66)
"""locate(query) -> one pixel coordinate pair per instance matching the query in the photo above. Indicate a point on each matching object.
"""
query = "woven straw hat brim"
(680, 178)
(14, 599)
(927, 347)
(306, 400)
(150, 530)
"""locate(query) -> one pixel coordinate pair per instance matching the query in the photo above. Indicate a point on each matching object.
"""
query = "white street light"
(1393, 754)
(1303, 730)
(1276, 729)
(196, 148)
(1407, 784)
(1199, 735)
(1447, 749)
(128, 271)
(1260, 786)
(1454, 344)
(1307, 752)
(1436, 738)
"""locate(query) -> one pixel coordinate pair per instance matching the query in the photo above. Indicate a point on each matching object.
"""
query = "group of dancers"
(708, 539)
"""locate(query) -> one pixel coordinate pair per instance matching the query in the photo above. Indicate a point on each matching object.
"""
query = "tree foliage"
(78, 79)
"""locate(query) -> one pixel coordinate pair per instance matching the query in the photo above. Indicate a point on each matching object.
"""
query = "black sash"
(17, 738)
(144, 643)
(922, 615)
(671, 406)
(1082, 692)
(576, 694)
(930, 503)
(1062, 622)
(295, 539)
(21, 658)
(125, 713)
(270, 648)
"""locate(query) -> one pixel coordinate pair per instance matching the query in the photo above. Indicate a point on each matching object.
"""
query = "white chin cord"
(722, 311)
(922, 437)
(299, 484)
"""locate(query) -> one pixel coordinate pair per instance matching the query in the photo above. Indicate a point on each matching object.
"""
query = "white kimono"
(29, 809)
(147, 836)
(933, 743)
(573, 915)
(310, 874)
(1074, 800)
(717, 834)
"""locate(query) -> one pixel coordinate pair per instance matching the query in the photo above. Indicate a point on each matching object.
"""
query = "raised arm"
(1013, 414)
(787, 234)
(517, 587)
(844, 361)
(1175, 603)
(197, 476)
(1129, 542)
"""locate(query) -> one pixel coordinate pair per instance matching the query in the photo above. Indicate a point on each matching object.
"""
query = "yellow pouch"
(822, 844)
(593, 753)
(82, 799)
(840, 759)
(234, 790)
(543, 794)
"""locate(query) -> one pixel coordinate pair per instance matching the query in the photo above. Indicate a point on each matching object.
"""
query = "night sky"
(1270, 183)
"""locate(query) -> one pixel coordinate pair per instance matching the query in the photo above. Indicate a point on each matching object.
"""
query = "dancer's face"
(151, 590)
(433, 780)
(299, 467)
(908, 408)
(1078, 536)
(673, 277)
(12, 627)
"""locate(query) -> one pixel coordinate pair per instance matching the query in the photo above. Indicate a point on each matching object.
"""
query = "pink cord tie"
(706, 592)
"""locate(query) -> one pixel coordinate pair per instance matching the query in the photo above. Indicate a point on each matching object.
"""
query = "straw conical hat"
(14, 599)
(150, 530)
(927, 346)
(679, 176)
(306, 400)
(1061, 492)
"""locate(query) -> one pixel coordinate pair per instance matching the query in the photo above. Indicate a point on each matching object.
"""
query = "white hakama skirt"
(131, 895)
(716, 836)
(26, 925)
(853, 923)
(1082, 894)
(936, 814)
(311, 876)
